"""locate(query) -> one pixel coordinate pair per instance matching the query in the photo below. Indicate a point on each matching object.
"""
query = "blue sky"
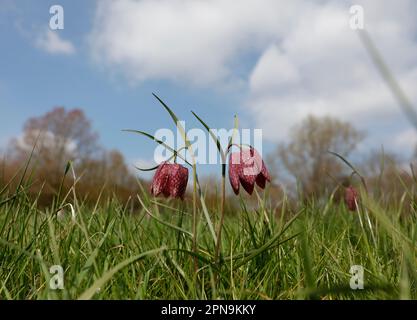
(271, 62)
(32, 81)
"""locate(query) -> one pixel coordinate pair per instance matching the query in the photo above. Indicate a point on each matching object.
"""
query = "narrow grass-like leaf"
(162, 221)
(212, 135)
(176, 121)
(99, 283)
(159, 142)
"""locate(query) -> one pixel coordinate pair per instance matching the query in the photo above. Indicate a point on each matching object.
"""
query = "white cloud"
(273, 62)
(405, 139)
(51, 42)
(307, 59)
(320, 67)
(195, 42)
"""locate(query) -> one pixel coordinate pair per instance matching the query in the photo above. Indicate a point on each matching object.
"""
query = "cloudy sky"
(271, 62)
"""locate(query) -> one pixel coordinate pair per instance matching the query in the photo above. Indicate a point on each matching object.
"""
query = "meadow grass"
(108, 252)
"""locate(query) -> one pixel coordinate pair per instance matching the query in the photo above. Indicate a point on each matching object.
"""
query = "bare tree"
(306, 155)
(60, 136)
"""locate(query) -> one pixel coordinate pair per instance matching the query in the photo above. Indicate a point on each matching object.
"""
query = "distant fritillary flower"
(351, 198)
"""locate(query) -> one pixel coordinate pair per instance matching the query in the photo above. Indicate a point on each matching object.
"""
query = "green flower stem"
(195, 216)
(220, 227)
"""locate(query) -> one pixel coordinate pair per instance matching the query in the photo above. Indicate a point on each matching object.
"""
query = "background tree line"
(57, 138)
(302, 167)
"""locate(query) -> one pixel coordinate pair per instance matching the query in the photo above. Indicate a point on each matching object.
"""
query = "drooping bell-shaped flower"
(170, 179)
(351, 198)
(246, 167)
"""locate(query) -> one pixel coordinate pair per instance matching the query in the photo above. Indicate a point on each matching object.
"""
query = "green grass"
(110, 253)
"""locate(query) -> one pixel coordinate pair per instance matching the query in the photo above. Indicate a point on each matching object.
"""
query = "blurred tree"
(306, 158)
(379, 162)
(117, 170)
(60, 136)
(388, 177)
(66, 135)
(108, 175)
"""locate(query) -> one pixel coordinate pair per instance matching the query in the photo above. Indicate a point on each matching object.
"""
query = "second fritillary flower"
(246, 167)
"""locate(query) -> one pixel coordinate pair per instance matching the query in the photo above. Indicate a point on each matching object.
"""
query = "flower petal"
(178, 181)
(159, 180)
(351, 198)
(248, 182)
(261, 181)
(233, 171)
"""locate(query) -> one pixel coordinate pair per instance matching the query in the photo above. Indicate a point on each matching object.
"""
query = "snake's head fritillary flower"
(246, 167)
(170, 179)
(351, 198)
